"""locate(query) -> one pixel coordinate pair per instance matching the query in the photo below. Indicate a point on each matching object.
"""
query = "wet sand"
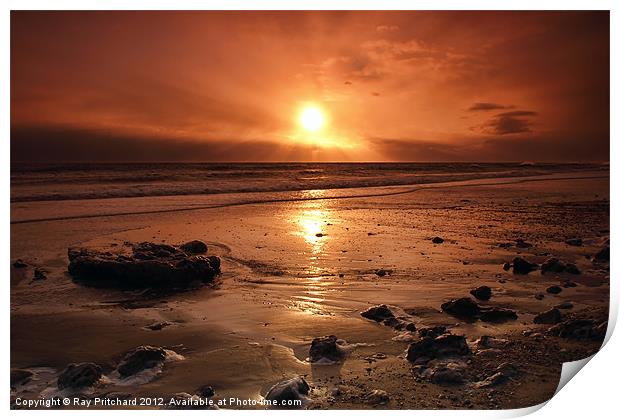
(305, 268)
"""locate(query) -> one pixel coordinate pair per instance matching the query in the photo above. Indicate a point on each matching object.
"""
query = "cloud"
(387, 28)
(513, 122)
(487, 106)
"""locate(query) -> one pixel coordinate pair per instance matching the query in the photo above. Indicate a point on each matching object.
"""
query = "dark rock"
(381, 272)
(481, 293)
(20, 376)
(395, 323)
(574, 242)
(79, 375)
(552, 316)
(432, 332)
(157, 326)
(410, 326)
(521, 266)
(39, 274)
(288, 390)
(498, 315)
(431, 348)
(149, 265)
(141, 358)
(437, 240)
(319, 235)
(195, 247)
(377, 397)
(539, 296)
(552, 265)
(463, 307)
(506, 266)
(572, 269)
(205, 391)
(569, 284)
(565, 305)
(326, 348)
(602, 255)
(378, 313)
(579, 329)
(19, 264)
(448, 374)
(520, 243)
(554, 290)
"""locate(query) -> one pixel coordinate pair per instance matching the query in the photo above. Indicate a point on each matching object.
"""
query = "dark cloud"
(487, 106)
(513, 122)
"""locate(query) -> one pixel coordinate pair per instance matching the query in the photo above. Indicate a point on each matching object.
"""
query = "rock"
(574, 242)
(157, 326)
(205, 391)
(378, 313)
(432, 332)
(488, 342)
(448, 374)
(539, 296)
(552, 265)
(19, 264)
(437, 240)
(410, 326)
(431, 348)
(381, 272)
(568, 284)
(463, 307)
(521, 266)
(288, 390)
(520, 243)
(481, 293)
(572, 269)
(579, 329)
(378, 397)
(148, 265)
(554, 290)
(602, 255)
(498, 315)
(552, 316)
(79, 375)
(565, 305)
(141, 358)
(39, 274)
(493, 380)
(319, 235)
(195, 247)
(506, 266)
(326, 348)
(395, 323)
(20, 376)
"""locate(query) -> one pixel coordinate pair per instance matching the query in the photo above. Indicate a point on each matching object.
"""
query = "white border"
(591, 395)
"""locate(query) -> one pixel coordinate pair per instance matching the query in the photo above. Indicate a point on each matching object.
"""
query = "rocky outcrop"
(146, 265)
(139, 359)
(522, 266)
(79, 375)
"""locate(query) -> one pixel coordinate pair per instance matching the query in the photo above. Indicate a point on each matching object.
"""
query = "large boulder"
(326, 349)
(463, 308)
(79, 375)
(141, 358)
(294, 389)
(145, 265)
(429, 348)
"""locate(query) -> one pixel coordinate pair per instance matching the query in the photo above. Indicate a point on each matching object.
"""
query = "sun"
(312, 118)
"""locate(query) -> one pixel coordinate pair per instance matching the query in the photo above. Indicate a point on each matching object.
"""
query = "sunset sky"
(385, 86)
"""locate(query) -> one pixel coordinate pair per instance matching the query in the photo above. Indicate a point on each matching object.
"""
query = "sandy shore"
(300, 269)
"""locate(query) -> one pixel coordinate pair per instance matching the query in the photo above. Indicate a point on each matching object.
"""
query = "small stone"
(141, 358)
(157, 326)
(19, 264)
(554, 290)
(481, 293)
(194, 247)
(572, 269)
(430, 348)
(432, 332)
(520, 243)
(294, 389)
(378, 397)
(39, 274)
(378, 313)
(437, 240)
(326, 348)
(79, 375)
(506, 266)
(539, 296)
(522, 266)
(565, 305)
(463, 307)
(381, 272)
(574, 242)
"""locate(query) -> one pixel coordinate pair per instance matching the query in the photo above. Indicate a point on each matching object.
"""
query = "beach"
(305, 262)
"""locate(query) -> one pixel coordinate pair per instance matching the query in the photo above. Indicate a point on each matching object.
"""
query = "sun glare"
(312, 118)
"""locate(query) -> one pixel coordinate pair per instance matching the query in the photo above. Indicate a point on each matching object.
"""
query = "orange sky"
(229, 86)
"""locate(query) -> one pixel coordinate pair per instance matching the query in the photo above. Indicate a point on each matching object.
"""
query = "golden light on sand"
(312, 118)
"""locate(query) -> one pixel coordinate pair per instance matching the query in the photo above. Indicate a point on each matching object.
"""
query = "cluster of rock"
(77, 376)
(384, 315)
(147, 265)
